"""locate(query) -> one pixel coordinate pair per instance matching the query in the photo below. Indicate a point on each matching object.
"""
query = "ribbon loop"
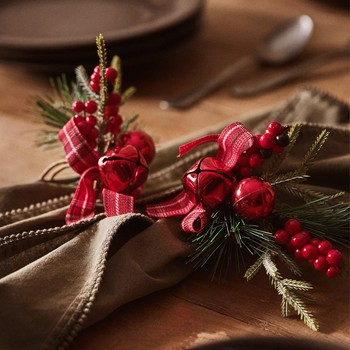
(196, 220)
(79, 154)
(233, 141)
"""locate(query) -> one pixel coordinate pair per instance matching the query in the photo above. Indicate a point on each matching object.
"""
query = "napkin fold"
(56, 279)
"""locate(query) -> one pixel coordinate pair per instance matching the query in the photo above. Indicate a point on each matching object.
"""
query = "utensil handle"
(194, 95)
(286, 77)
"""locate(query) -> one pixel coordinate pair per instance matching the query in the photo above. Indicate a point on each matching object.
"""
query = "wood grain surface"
(197, 311)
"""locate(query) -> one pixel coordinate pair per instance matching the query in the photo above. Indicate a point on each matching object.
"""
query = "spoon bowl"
(286, 42)
(280, 46)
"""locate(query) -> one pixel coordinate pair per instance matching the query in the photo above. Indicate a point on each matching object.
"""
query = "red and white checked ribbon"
(232, 142)
(84, 160)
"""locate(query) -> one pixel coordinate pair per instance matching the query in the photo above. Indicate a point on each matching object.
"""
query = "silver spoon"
(257, 87)
(280, 46)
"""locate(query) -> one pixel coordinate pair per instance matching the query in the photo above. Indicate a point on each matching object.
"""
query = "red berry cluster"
(86, 118)
(319, 253)
(86, 121)
(272, 141)
(112, 118)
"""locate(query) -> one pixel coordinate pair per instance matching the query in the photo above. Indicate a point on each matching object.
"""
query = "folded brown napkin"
(57, 279)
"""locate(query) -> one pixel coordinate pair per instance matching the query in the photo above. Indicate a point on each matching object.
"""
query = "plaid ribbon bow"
(84, 160)
(232, 142)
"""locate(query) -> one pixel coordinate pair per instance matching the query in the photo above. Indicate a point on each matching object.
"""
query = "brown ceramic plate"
(56, 24)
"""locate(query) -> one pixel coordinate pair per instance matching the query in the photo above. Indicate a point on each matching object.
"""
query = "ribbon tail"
(180, 205)
(233, 141)
(83, 204)
(196, 220)
(189, 146)
(117, 203)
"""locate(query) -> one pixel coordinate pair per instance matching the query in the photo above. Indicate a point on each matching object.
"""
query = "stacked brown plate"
(56, 35)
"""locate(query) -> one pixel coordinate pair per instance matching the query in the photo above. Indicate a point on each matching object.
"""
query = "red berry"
(309, 251)
(91, 120)
(95, 86)
(245, 171)
(97, 69)
(114, 98)
(95, 77)
(282, 140)
(334, 257)
(84, 129)
(292, 226)
(78, 106)
(281, 237)
(111, 111)
(267, 141)
(111, 74)
(332, 272)
(94, 133)
(320, 263)
(298, 254)
(324, 247)
(78, 118)
(315, 241)
(91, 106)
(306, 234)
(255, 160)
(299, 240)
(116, 123)
(274, 128)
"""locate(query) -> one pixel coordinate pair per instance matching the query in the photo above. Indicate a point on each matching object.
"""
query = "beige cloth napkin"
(57, 279)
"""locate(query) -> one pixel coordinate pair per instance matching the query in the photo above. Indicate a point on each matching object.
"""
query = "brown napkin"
(57, 279)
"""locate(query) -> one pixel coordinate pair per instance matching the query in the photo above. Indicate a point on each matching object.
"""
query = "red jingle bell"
(123, 169)
(253, 198)
(209, 182)
(142, 141)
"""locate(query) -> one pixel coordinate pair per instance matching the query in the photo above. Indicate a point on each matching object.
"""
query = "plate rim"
(185, 9)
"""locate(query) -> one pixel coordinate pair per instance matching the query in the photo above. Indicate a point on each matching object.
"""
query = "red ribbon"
(232, 142)
(84, 160)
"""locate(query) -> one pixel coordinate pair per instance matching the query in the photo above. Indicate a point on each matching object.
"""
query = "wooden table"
(196, 310)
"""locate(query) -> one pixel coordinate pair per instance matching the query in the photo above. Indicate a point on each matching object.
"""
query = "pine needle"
(313, 151)
(253, 269)
(117, 65)
(84, 83)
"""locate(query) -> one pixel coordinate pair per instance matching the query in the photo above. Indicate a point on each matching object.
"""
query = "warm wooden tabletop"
(196, 310)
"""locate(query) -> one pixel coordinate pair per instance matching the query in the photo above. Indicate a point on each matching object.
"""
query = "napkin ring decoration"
(240, 200)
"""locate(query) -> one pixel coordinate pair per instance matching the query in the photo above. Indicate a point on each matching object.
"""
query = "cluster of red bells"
(210, 183)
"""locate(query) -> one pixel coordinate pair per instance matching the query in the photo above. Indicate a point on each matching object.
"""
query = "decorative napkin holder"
(57, 279)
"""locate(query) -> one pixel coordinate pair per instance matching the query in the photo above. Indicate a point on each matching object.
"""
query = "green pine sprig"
(292, 291)
(225, 239)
